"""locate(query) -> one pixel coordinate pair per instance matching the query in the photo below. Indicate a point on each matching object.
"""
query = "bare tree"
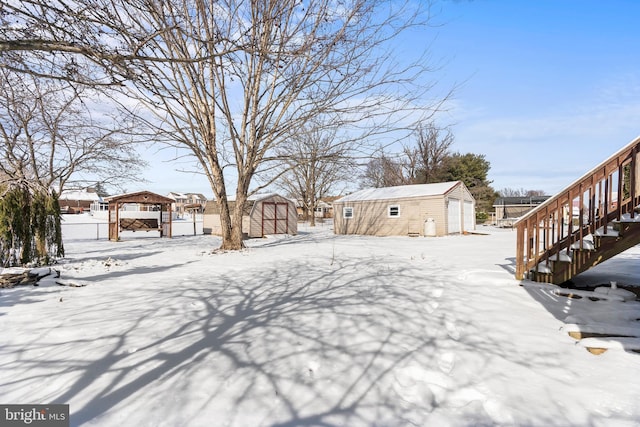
(230, 80)
(48, 136)
(316, 161)
(520, 192)
(384, 171)
(423, 161)
(433, 148)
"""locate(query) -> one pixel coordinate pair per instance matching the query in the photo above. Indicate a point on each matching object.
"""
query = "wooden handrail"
(602, 195)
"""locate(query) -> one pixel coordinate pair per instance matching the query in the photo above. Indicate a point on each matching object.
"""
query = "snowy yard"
(312, 330)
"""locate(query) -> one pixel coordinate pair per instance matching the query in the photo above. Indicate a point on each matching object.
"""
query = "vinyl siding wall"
(370, 217)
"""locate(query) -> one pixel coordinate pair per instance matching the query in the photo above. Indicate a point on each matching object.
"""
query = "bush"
(481, 217)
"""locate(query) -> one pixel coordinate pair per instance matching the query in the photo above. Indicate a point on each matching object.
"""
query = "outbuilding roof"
(139, 197)
(401, 192)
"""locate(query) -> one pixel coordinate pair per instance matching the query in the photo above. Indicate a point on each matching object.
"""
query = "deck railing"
(585, 208)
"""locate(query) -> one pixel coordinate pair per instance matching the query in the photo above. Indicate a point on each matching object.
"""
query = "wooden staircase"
(590, 221)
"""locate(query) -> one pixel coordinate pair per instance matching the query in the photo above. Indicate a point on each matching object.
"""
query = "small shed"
(263, 214)
(141, 211)
(414, 210)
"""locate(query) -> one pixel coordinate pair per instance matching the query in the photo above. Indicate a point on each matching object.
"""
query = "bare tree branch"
(231, 80)
(49, 136)
(315, 161)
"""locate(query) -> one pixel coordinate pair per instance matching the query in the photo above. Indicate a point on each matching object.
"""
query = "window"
(394, 211)
(347, 212)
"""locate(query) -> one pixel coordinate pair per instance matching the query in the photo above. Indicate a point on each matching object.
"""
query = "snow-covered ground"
(313, 330)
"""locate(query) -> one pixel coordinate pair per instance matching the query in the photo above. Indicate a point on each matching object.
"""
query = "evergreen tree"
(472, 169)
(30, 232)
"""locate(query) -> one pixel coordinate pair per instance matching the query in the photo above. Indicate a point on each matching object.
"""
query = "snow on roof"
(400, 192)
(260, 196)
(176, 195)
(80, 195)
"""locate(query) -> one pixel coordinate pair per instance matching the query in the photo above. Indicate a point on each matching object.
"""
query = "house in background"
(263, 214)
(414, 210)
(187, 202)
(507, 210)
(79, 200)
(323, 209)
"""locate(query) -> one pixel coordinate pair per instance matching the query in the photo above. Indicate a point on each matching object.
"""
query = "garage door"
(453, 217)
(469, 216)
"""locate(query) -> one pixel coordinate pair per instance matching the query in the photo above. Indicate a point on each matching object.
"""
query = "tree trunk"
(236, 230)
(225, 224)
(312, 197)
(312, 209)
(231, 222)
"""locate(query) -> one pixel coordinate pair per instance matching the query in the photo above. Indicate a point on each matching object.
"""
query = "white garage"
(434, 209)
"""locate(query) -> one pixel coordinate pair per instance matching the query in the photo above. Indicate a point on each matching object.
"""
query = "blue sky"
(547, 89)
(552, 88)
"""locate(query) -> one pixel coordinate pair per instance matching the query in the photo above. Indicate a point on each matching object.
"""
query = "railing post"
(607, 196)
(520, 251)
(632, 180)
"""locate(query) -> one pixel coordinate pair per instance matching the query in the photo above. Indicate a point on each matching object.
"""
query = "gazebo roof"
(139, 197)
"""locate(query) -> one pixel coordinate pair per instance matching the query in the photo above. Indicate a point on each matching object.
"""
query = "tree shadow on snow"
(322, 342)
(299, 344)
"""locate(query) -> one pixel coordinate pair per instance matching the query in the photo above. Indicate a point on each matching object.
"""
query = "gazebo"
(153, 213)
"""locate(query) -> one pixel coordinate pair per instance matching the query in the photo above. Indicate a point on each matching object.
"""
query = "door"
(453, 216)
(275, 218)
(469, 216)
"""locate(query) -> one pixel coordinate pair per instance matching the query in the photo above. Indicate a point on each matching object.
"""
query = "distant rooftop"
(520, 200)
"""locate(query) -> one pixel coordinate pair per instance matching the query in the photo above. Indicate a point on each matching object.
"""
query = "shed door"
(453, 217)
(275, 218)
(469, 216)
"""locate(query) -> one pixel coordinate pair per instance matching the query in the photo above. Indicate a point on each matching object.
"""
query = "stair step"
(611, 232)
(543, 268)
(586, 245)
(627, 218)
(561, 256)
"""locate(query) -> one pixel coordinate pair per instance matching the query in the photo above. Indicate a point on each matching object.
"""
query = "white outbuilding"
(415, 210)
